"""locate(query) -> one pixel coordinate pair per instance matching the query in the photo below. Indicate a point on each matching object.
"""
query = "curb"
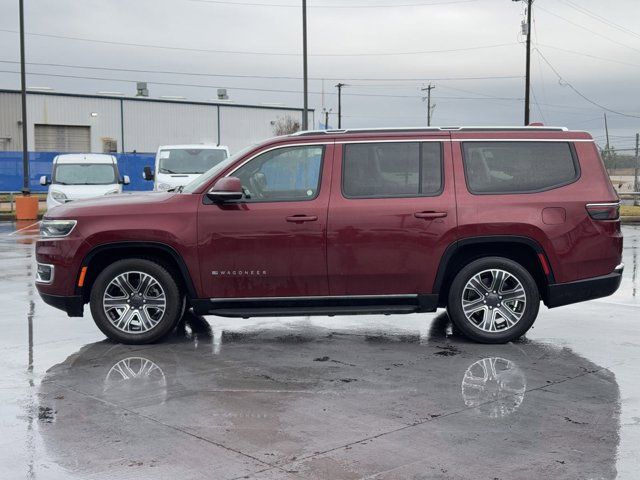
(630, 219)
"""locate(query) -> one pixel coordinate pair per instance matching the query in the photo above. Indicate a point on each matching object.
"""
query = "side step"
(301, 306)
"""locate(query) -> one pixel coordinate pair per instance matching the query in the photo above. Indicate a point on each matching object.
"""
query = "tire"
(136, 301)
(498, 317)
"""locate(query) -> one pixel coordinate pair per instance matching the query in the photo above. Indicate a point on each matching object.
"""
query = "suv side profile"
(487, 222)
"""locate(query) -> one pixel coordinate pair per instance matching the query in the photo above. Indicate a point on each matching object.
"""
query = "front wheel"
(135, 301)
(493, 300)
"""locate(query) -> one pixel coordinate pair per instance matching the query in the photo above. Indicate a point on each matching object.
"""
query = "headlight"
(161, 187)
(58, 196)
(56, 228)
(113, 192)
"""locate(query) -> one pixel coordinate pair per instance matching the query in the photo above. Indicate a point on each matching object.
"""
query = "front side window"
(518, 167)
(84, 174)
(394, 169)
(284, 174)
(189, 160)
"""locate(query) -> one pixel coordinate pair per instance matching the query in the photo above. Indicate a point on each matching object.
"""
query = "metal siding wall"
(59, 110)
(9, 116)
(243, 126)
(147, 125)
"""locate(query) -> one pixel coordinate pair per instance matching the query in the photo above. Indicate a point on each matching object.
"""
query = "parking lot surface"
(388, 397)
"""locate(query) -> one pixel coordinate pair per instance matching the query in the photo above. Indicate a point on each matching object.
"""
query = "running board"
(301, 306)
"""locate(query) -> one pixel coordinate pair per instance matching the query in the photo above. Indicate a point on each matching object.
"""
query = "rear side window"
(393, 169)
(518, 167)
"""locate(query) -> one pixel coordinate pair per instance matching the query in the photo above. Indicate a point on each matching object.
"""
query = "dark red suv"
(484, 221)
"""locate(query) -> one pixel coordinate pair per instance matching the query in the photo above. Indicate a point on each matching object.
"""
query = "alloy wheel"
(494, 300)
(134, 302)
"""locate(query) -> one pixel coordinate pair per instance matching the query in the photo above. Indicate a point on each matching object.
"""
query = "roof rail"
(428, 129)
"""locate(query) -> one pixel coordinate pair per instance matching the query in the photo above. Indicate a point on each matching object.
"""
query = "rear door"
(392, 215)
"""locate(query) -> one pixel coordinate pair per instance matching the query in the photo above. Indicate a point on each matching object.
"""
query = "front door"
(272, 243)
(392, 215)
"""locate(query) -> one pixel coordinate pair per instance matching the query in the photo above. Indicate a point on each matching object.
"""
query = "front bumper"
(559, 294)
(73, 305)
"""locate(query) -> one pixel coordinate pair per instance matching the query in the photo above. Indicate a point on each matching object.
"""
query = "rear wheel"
(493, 300)
(135, 301)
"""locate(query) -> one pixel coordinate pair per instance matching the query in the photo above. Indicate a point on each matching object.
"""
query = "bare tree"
(285, 126)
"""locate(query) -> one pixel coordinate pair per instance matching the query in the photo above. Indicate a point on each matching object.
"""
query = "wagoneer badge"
(239, 273)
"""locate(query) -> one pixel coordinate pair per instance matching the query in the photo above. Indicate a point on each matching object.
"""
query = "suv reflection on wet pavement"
(326, 403)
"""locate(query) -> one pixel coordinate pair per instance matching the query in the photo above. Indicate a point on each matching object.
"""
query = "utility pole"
(528, 70)
(305, 109)
(636, 185)
(606, 151)
(26, 190)
(339, 87)
(527, 87)
(429, 107)
(326, 118)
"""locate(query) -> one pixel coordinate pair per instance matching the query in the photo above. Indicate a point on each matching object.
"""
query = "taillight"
(604, 211)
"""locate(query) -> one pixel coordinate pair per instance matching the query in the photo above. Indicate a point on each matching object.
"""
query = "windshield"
(208, 175)
(189, 160)
(84, 174)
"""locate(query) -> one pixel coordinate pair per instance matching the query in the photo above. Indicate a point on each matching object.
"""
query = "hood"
(76, 192)
(109, 204)
(174, 180)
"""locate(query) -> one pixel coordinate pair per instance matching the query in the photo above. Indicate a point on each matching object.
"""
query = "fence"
(40, 164)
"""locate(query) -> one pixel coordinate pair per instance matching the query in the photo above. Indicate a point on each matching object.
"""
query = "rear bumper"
(73, 305)
(559, 294)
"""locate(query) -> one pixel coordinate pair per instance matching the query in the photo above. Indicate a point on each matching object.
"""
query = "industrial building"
(63, 122)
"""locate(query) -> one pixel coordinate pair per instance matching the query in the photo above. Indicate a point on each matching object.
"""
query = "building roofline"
(158, 100)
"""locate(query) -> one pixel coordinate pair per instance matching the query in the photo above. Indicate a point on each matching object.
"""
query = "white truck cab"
(177, 165)
(82, 175)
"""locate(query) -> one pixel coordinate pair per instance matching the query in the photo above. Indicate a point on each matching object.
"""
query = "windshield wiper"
(166, 170)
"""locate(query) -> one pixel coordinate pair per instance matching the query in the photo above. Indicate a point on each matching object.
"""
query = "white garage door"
(62, 138)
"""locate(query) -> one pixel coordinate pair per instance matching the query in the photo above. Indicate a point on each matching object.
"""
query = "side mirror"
(147, 173)
(126, 180)
(225, 189)
(44, 181)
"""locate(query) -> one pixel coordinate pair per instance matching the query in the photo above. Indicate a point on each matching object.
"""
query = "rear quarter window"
(518, 167)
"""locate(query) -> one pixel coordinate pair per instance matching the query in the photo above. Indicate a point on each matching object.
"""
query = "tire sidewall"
(172, 312)
(454, 305)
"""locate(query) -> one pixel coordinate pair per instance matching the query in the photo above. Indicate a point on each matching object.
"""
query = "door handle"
(430, 215)
(302, 218)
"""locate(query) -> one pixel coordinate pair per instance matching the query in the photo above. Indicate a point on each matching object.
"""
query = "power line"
(593, 32)
(352, 6)
(600, 18)
(231, 88)
(589, 55)
(271, 77)
(563, 82)
(247, 52)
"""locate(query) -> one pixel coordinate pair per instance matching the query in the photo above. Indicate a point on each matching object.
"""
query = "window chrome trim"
(276, 147)
(605, 204)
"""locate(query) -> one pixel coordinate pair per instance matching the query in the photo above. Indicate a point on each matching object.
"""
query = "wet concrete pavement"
(389, 397)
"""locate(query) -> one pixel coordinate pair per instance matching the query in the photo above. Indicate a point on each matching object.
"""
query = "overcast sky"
(471, 50)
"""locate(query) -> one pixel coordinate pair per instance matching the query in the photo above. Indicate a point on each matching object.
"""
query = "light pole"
(305, 109)
(528, 67)
(26, 190)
